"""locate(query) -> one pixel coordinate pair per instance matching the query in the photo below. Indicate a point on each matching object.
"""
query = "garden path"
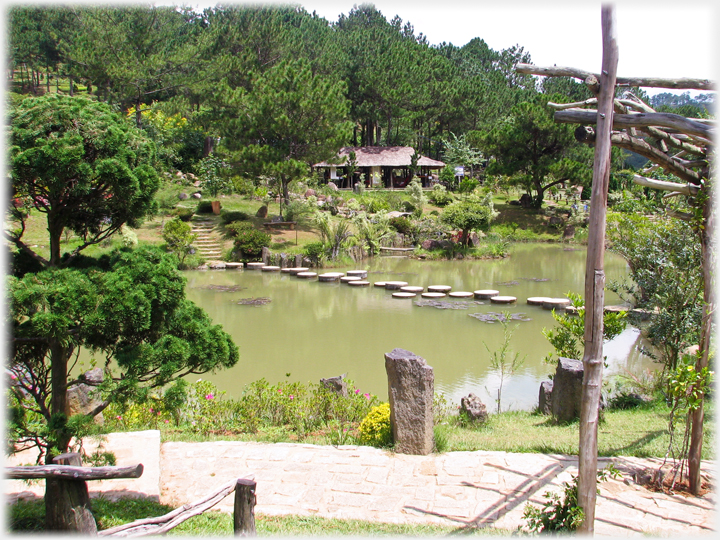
(462, 489)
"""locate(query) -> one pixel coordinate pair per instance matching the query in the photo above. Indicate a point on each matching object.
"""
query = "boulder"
(411, 386)
(310, 193)
(265, 255)
(197, 195)
(431, 244)
(474, 239)
(336, 384)
(555, 221)
(333, 186)
(298, 260)
(183, 196)
(526, 200)
(473, 409)
(515, 203)
(262, 211)
(80, 398)
(569, 231)
(567, 390)
(284, 260)
(545, 397)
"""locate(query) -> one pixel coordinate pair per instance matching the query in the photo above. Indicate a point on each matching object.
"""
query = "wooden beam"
(620, 121)
(73, 473)
(683, 189)
(651, 82)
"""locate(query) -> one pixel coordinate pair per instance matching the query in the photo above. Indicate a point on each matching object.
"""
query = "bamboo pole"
(595, 277)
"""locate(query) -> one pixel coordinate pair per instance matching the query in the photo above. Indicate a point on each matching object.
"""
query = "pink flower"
(167, 421)
(158, 413)
(367, 396)
(357, 390)
(151, 409)
(119, 417)
(209, 397)
(292, 397)
(279, 391)
(13, 377)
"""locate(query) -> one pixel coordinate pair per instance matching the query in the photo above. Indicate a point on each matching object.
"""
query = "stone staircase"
(208, 243)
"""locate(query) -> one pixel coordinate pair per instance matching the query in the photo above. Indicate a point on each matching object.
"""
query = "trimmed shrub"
(204, 207)
(228, 216)
(236, 226)
(402, 225)
(375, 428)
(315, 251)
(185, 214)
(250, 241)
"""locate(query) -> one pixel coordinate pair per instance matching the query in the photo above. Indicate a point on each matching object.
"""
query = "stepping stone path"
(330, 276)
(306, 275)
(439, 288)
(295, 271)
(412, 289)
(208, 241)
(348, 279)
(503, 299)
(358, 283)
(537, 300)
(380, 284)
(270, 268)
(556, 303)
(404, 294)
(460, 294)
(395, 285)
(433, 294)
(486, 294)
(358, 273)
(254, 265)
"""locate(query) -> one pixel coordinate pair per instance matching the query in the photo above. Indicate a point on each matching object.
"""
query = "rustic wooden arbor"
(680, 146)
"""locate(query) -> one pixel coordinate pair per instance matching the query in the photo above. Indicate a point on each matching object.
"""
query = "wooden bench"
(280, 225)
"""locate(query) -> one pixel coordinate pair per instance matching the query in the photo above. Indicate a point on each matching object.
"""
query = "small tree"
(179, 237)
(473, 214)
(504, 361)
(417, 196)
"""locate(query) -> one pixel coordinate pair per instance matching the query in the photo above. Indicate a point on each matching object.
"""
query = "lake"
(309, 329)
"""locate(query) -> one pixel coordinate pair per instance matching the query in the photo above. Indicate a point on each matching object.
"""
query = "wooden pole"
(244, 511)
(595, 277)
(67, 502)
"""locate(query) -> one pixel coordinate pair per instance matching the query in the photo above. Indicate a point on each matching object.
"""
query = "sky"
(659, 39)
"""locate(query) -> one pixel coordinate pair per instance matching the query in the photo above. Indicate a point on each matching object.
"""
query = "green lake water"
(312, 330)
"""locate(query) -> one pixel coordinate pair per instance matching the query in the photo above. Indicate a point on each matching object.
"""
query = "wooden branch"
(652, 82)
(637, 105)
(162, 524)
(577, 104)
(673, 140)
(620, 121)
(73, 473)
(683, 189)
(684, 216)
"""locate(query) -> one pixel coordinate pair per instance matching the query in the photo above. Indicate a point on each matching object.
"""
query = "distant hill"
(683, 104)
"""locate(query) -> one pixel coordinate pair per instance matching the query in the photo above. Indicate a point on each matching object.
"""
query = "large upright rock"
(336, 384)
(545, 397)
(411, 386)
(81, 398)
(567, 390)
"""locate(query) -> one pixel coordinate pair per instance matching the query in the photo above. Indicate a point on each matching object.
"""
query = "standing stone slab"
(567, 389)
(545, 397)
(411, 386)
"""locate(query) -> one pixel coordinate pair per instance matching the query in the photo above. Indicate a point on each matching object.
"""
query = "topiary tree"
(79, 163)
(470, 215)
(179, 237)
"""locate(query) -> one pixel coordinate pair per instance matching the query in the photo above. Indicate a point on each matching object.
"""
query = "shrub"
(236, 226)
(315, 251)
(375, 205)
(439, 196)
(375, 428)
(249, 242)
(402, 225)
(185, 214)
(228, 216)
(204, 207)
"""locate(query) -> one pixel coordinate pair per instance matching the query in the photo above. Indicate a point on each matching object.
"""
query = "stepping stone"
(394, 285)
(295, 271)
(461, 294)
(485, 294)
(503, 299)
(254, 265)
(234, 265)
(556, 303)
(571, 310)
(404, 295)
(380, 284)
(348, 279)
(285, 270)
(330, 276)
(358, 283)
(358, 273)
(439, 288)
(270, 268)
(433, 294)
(412, 288)
(537, 300)
(306, 275)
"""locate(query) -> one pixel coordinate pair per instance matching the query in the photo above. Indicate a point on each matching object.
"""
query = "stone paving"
(461, 489)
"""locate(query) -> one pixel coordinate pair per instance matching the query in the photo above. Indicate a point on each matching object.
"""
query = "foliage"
(179, 237)
(184, 214)
(402, 225)
(417, 196)
(504, 361)
(665, 261)
(229, 216)
(469, 215)
(204, 207)
(373, 233)
(315, 251)
(250, 241)
(439, 196)
(562, 515)
(334, 235)
(296, 210)
(567, 339)
(212, 176)
(76, 161)
(375, 428)
(130, 311)
(459, 152)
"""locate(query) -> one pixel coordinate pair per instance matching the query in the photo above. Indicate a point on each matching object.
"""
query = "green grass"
(29, 516)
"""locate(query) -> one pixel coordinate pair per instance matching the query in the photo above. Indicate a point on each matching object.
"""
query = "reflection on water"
(313, 330)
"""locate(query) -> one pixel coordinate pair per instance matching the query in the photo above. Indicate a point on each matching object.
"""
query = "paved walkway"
(461, 489)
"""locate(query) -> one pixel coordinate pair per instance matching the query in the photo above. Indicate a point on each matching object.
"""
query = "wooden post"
(595, 277)
(244, 511)
(67, 502)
